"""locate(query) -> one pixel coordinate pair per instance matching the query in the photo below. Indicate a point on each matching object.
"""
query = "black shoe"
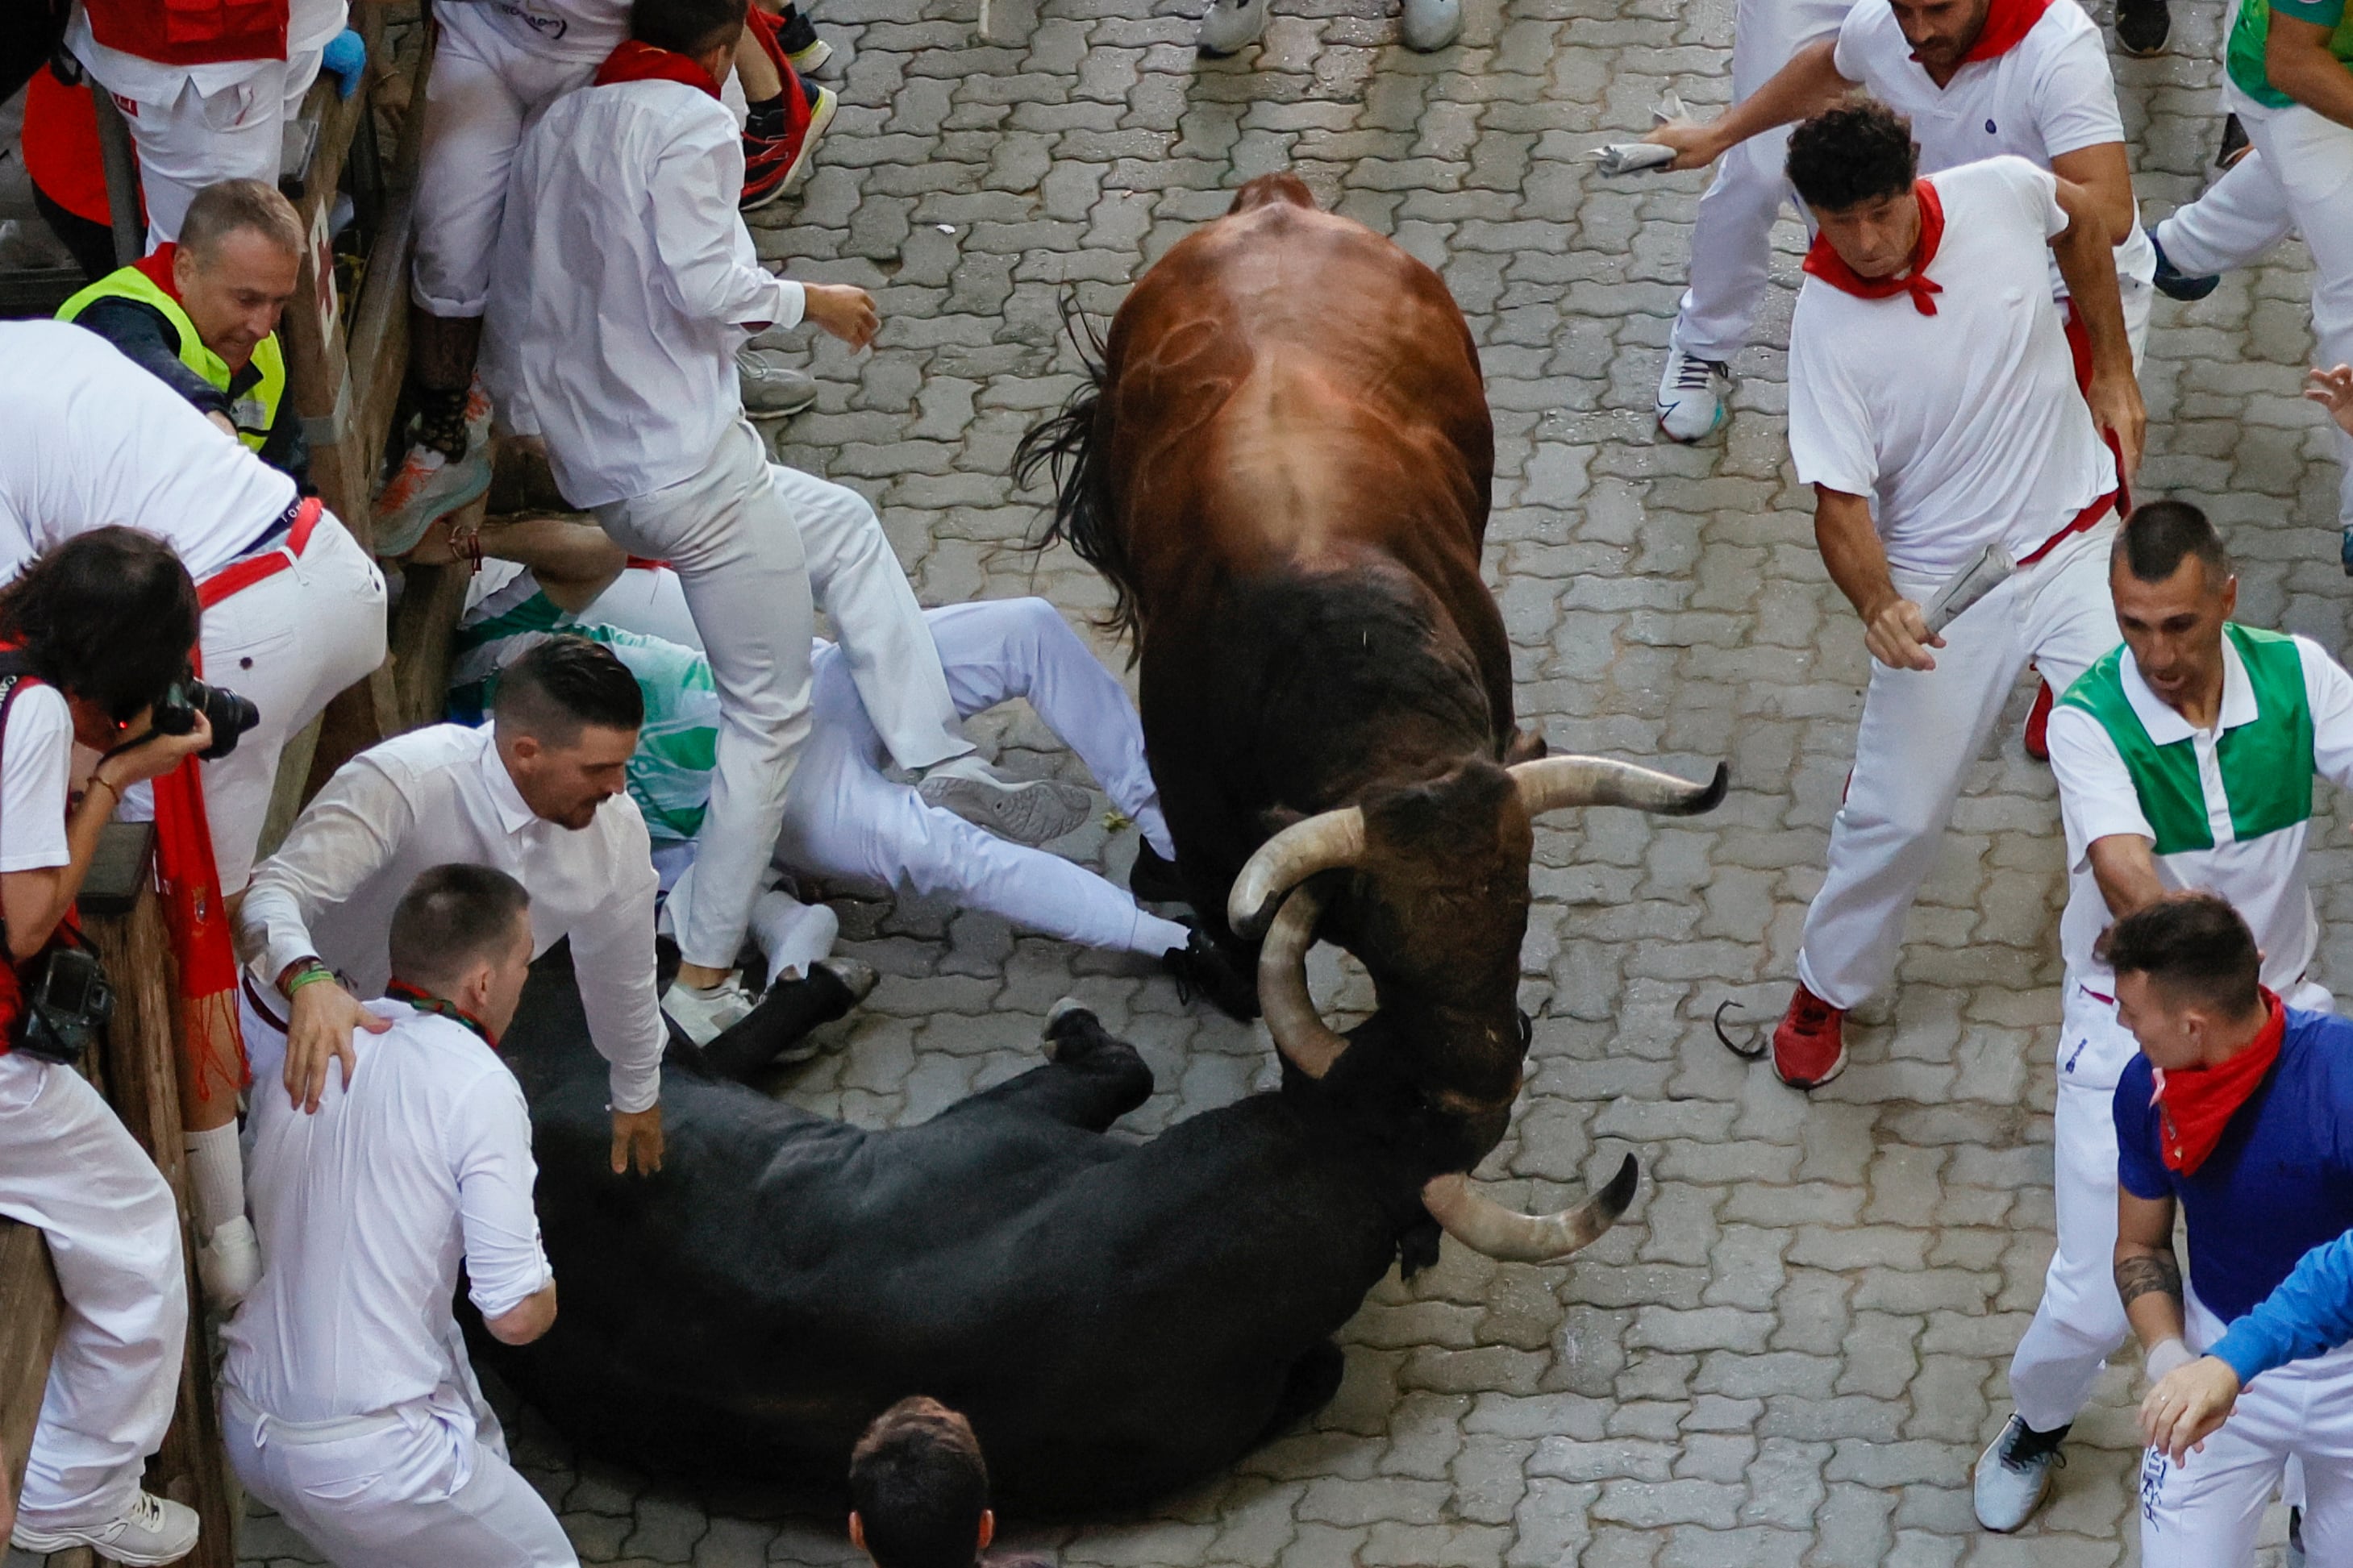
(2236, 145)
(776, 1032)
(1201, 965)
(2177, 285)
(1154, 879)
(2142, 27)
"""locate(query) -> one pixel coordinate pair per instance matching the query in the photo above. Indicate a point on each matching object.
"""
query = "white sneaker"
(1229, 27)
(702, 1015)
(153, 1532)
(1032, 813)
(2014, 1475)
(770, 388)
(228, 1265)
(1432, 24)
(1690, 395)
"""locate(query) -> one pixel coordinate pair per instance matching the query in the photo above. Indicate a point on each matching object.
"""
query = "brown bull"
(1283, 466)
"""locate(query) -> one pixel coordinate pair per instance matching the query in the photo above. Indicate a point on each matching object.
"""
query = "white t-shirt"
(1964, 427)
(36, 774)
(365, 1211)
(2264, 877)
(87, 438)
(2049, 94)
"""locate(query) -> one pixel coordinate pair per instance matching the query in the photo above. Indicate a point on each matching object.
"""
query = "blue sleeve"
(2310, 1313)
(149, 342)
(2140, 1171)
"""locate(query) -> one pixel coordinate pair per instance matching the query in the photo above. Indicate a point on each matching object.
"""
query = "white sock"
(793, 934)
(216, 1176)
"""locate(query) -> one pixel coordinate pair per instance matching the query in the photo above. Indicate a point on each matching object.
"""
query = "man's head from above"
(240, 254)
(1853, 163)
(703, 31)
(109, 618)
(2174, 586)
(566, 719)
(919, 1489)
(463, 933)
(1941, 31)
(2188, 980)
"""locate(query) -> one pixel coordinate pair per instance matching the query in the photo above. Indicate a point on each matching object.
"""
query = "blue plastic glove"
(347, 56)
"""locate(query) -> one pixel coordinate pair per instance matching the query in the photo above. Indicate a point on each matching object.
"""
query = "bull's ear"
(1524, 746)
(1275, 818)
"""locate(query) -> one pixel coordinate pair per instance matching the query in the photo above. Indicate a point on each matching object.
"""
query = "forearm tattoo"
(2136, 1277)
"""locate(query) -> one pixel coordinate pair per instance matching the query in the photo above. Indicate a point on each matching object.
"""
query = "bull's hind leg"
(1092, 1079)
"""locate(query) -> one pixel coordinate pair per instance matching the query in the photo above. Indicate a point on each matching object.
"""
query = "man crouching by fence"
(347, 1402)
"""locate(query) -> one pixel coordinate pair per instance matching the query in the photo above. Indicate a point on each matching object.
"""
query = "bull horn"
(1550, 784)
(1305, 1040)
(1484, 1225)
(1318, 843)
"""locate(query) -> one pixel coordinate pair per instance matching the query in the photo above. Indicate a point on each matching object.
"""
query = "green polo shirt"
(2252, 34)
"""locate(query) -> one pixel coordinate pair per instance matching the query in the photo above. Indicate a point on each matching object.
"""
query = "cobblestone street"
(1792, 1348)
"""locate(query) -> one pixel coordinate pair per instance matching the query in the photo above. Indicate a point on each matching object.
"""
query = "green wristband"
(316, 973)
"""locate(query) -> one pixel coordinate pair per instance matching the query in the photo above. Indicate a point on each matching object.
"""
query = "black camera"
(175, 714)
(68, 1001)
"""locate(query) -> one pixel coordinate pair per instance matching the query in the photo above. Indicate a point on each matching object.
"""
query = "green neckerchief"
(426, 1002)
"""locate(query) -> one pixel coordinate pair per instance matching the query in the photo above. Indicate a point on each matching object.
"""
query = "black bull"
(1120, 1319)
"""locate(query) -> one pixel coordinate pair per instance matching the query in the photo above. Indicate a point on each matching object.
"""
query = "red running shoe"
(2038, 725)
(1810, 1045)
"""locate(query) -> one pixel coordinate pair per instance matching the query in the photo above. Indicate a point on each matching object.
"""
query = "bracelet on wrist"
(310, 974)
(99, 780)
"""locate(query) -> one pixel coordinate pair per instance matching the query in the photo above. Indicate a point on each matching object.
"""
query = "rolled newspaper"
(1639, 157)
(1964, 587)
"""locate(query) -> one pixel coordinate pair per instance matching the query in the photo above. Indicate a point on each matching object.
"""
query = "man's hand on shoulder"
(844, 310)
(637, 1138)
(319, 1030)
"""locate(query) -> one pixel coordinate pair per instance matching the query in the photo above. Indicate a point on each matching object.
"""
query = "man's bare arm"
(2148, 1276)
(2087, 261)
(1893, 628)
(2125, 865)
(1809, 82)
(2104, 170)
(2299, 62)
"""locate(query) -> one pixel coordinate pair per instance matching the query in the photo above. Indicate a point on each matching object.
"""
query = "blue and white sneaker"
(1690, 395)
(2175, 284)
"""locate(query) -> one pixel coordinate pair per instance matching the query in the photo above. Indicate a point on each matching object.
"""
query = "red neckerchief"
(2007, 23)
(2195, 1105)
(1824, 263)
(426, 1002)
(635, 61)
(157, 265)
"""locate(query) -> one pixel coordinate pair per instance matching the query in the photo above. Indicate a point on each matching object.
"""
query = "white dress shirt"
(441, 795)
(624, 282)
(87, 438)
(365, 1211)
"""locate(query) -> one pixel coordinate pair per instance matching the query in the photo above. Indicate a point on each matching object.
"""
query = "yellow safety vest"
(254, 411)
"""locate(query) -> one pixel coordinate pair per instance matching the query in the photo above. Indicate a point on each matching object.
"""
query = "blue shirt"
(2278, 1184)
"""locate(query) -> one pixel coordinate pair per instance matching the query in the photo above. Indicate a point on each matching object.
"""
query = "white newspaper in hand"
(1637, 157)
(1964, 587)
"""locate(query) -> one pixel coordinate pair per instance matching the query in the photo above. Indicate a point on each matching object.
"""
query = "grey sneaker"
(702, 1015)
(2013, 1475)
(152, 1532)
(1031, 813)
(1229, 27)
(1431, 24)
(771, 388)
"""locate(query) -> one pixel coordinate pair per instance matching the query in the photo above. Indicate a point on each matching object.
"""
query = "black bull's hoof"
(1120, 1319)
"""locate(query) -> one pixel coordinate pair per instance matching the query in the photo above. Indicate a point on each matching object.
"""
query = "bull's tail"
(1072, 447)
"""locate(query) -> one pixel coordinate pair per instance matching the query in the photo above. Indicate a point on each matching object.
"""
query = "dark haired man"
(2239, 1112)
(1976, 78)
(347, 1403)
(1933, 406)
(538, 794)
(919, 1492)
(2185, 758)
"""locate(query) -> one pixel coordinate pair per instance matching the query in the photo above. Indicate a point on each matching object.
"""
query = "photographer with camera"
(92, 633)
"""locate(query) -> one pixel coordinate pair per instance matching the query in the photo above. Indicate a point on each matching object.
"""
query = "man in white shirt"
(634, 280)
(206, 92)
(2023, 77)
(540, 796)
(347, 1402)
(2185, 760)
(1933, 406)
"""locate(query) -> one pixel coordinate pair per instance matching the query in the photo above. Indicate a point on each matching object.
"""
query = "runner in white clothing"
(347, 1402)
(2023, 77)
(1931, 384)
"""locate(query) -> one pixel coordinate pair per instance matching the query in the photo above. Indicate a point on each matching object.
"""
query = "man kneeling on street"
(347, 1402)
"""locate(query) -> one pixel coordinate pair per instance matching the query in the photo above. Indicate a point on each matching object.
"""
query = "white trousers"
(1921, 730)
(2312, 159)
(69, 1169)
(2080, 1319)
(2205, 1513)
(414, 1489)
(1732, 236)
(844, 820)
(290, 643)
(483, 94)
(2234, 223)
(197, 139)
